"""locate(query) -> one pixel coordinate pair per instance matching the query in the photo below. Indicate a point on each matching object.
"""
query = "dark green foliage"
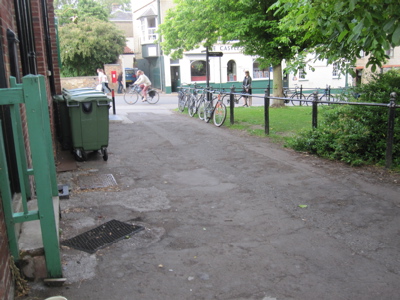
(356, 134)
(89, 45)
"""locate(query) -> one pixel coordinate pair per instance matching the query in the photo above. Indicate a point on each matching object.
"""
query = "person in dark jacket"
(247, 89)
(120, 85)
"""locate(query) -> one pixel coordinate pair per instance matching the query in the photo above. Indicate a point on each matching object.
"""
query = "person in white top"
(144, 82)
(103, 80)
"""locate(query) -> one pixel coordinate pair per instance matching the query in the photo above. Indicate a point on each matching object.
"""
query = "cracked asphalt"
(228, 216)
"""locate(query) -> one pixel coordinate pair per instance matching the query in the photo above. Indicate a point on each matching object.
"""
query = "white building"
(318, 75)
(225, 71)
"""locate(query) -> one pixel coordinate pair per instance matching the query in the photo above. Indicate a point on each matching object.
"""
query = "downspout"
(48, 47)
(13, 54)
(162, 77)
(23, 15)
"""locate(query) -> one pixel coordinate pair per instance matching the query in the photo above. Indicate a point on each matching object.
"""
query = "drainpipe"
(48, 47)
(162, 77)
(13, 53)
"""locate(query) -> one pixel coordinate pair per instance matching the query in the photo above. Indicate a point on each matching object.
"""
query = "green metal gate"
(31, 94)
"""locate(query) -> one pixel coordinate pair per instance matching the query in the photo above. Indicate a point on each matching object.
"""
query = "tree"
(87, 39)
(339, 30)
(88, 45)
(79, 11)
(249, 23)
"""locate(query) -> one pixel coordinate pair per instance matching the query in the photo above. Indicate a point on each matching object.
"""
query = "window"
(148, 26)
(335, 70)
(231, 71)
(302, 74)
(198, 70)
(260, 72)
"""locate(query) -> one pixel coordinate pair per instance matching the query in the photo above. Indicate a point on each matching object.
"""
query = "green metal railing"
(31, 94)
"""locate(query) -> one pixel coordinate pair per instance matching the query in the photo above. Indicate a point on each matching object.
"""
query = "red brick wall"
(41, 51)
(6, 282)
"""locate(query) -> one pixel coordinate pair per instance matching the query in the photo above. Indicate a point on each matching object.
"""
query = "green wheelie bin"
(63, 126)
(89, 122)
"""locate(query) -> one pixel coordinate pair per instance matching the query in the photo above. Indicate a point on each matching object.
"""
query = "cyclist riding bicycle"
(144, 82)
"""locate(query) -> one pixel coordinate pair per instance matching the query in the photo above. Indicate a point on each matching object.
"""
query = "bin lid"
(87, 97)
(79, 91)
(84, 93)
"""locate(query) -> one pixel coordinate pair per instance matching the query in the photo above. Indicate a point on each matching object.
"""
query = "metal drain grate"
(99, 237)
(86, 182)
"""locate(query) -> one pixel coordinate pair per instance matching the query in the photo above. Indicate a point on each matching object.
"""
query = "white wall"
(320, 77)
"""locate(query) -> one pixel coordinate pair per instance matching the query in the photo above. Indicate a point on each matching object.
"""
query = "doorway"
(175, 78)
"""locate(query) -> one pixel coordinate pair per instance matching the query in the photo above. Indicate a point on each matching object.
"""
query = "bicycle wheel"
(131, 97)
(296, 99)
(219, 114)
(327, 99)
(227, 99)
(310, 98)
(192, 108)
(202, 108)
(208, 111)
(181, 102)
(152, 96)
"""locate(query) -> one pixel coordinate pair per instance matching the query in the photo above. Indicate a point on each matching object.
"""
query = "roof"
(128, 50)
(148, 13)
(120, 15)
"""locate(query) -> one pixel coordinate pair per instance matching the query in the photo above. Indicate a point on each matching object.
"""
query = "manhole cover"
(86, 182)
(101, 236)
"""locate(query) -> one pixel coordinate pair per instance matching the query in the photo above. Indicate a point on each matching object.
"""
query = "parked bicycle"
(296, 97)
(134, 92)
(236, 97)
(325, 97)
(183, 98)
(195, 100)
(208, 110)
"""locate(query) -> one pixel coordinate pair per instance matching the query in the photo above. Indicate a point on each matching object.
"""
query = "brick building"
(28, 45)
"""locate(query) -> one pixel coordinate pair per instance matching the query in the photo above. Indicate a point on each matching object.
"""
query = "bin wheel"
(84, 155)
(78, 155)
(105, 154)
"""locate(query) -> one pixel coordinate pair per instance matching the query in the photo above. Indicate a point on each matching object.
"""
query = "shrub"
(356, 134)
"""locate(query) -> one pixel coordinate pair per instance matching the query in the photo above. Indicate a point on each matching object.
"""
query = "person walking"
(103, 80)
(120, 85)
(247, 89)
(144, 82)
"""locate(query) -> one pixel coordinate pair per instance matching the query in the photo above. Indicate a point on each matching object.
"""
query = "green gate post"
(48, 137)
(38, 128)
(19, 143)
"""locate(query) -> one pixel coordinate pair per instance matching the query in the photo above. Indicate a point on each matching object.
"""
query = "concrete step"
(30, 243)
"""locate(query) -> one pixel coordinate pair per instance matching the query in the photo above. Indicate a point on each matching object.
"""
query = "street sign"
(215, 54)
